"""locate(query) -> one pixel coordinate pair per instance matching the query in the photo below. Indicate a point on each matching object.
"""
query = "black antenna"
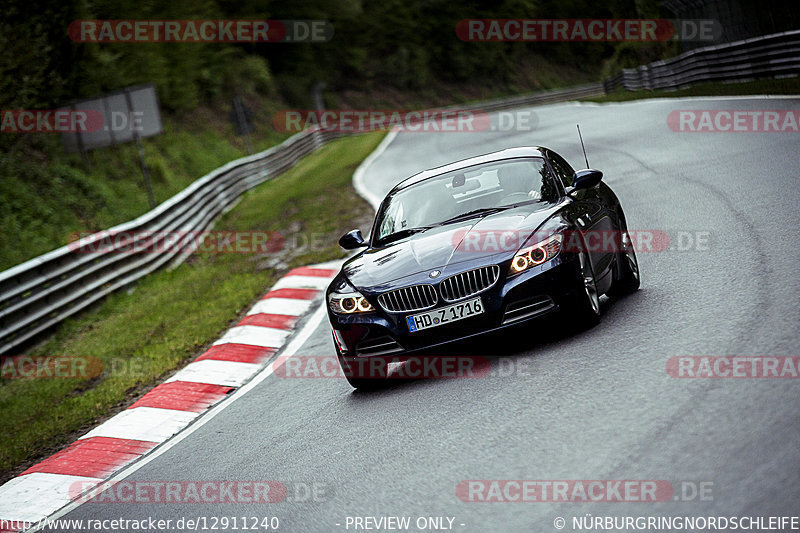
(582, 146)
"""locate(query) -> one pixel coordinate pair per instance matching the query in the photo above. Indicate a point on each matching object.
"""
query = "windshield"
(470, 191)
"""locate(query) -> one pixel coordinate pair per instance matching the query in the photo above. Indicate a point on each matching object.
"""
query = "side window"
(562, 169)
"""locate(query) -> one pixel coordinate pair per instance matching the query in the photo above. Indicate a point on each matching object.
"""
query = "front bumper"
(511, 301)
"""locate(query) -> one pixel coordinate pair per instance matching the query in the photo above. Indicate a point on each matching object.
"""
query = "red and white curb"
(233, 360)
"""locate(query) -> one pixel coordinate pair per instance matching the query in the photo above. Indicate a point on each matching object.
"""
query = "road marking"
(269, 320)
(302, 282)
(297, 294)
(32, 497)
(97, 457)
(358, 176)
(66, 505)
(281, 306)
(242, 353)
(184, 396)
(312, 271)
(215, 372)
(143, 423)
(255, 335)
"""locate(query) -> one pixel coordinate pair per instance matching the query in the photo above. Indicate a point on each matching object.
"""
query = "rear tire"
(626, 279)
(585, 306)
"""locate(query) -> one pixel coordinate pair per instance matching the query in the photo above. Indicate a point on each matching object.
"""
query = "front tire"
(367, 376)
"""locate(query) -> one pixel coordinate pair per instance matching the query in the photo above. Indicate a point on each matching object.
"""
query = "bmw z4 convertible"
(476, 246)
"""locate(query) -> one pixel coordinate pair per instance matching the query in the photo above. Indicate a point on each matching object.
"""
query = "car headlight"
(349, 301)
(536, 254)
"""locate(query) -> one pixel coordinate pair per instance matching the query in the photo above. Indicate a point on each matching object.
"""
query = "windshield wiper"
(474, 213)
(403, 233)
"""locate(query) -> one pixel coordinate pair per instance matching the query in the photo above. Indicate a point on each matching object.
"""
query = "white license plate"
(445, 315)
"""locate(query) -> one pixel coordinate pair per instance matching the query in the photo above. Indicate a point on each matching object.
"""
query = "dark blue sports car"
(473, 247)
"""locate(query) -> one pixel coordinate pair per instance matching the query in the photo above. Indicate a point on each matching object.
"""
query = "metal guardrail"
(538, 98)
(768, 56)
(43, 291)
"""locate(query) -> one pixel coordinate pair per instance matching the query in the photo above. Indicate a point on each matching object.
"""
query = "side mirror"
(352, 240)
(586, 179)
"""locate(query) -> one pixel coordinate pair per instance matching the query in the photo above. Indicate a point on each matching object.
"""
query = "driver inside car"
(435, 204)
(515, 179)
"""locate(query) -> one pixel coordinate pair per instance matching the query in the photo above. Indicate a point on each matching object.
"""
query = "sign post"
(128, 115)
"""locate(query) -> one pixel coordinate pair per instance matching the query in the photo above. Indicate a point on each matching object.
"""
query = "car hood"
(441, 246)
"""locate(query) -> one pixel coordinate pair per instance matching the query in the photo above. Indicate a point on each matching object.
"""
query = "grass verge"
(48, 194)
(766, 86)
(143, 335)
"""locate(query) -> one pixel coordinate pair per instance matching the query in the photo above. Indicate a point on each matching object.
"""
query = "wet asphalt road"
(596, 405)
